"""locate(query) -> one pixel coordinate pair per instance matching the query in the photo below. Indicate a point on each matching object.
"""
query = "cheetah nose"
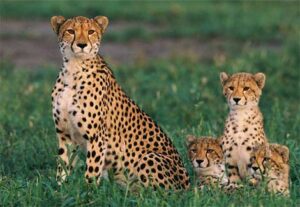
(236, 100)
(199, 162)
(81, 45)
(255, 168)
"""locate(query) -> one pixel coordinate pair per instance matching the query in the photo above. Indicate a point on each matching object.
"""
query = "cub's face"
(269, 160)
(79, 37)
(204, 151)
(242, 89)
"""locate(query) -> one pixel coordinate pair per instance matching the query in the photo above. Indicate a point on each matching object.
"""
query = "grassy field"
(182, 95)
(240, 20)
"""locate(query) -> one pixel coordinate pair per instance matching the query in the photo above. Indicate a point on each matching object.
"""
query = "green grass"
(182, 95)
(255, 21)
(184, 98)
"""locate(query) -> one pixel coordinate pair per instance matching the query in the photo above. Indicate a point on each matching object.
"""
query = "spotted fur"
(244, 128)
(271, 163)
(206, 156)
(91, 111)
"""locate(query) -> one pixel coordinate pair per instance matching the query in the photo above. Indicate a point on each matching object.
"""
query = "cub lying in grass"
(206, 156)
(271, 163)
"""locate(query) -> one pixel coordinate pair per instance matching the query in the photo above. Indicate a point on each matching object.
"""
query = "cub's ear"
(102, 21)
(218, 140)
(283, 151)
(223, 77)
(190, 139)
(260, 79)
(56, 22)
(218, 147)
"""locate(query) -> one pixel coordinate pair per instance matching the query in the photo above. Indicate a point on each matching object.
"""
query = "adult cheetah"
(91, 110)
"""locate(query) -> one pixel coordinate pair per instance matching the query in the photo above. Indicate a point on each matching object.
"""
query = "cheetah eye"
(71, 31)
(231, 88)
(91, 32)
(209, 150)
(246, 88)
(193, 150)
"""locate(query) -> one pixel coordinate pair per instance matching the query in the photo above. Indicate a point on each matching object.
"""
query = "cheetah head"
(242, 89)
(204, 152)
(79, 37)
(269, 160)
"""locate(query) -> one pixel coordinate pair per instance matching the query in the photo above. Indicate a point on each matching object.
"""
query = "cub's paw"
(253, 182)
(231, 187)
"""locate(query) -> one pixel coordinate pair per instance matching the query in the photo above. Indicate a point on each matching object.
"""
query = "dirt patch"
(32, 44)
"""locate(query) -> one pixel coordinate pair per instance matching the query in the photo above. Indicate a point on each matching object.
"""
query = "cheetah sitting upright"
(244, 128)
(90, 110)
(206, 156)
(271, 163)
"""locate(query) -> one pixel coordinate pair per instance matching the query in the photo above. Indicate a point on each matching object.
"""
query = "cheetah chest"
(243, 131)
(65, 107)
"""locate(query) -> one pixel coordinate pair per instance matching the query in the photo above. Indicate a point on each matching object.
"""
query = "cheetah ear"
(56, 22)
(190, 139)
(223, 77)
(267, 148)
(218, 149)
(283, 151)
(102, 21)
(260, 79)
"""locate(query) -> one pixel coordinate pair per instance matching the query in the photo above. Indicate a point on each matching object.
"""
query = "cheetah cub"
(244, 128)
(271, 162)
(206, 156)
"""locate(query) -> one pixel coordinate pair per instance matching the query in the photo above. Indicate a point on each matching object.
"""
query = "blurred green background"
(167, 56)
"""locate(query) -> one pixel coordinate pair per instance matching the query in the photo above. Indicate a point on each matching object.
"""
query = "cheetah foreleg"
(95, 161)
(67, 157)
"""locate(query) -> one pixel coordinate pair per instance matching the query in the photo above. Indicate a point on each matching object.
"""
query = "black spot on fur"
(61, 151)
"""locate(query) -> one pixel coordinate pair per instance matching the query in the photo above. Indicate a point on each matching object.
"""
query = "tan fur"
(272, 163)
(206, 156)
(91, 111)
(244, 125)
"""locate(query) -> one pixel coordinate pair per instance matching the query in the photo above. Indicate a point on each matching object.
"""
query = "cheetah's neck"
(244, 121)
(216, 171)
(71, 67)
(246, 116)
(76, 67)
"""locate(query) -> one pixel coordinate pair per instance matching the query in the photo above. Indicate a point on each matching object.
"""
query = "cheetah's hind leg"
(157, 170)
